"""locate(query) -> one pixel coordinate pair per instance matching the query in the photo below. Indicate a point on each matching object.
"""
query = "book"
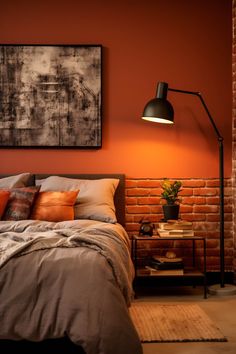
(165, 272)
(143, 271)
(176, 225)
(159, 262)
(174, 233)
(162, 259)
(166, 265)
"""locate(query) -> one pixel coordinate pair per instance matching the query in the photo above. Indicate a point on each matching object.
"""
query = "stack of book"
(166, 266)
(175, 228)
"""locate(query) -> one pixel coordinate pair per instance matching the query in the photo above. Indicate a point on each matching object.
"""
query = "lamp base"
(227, 290)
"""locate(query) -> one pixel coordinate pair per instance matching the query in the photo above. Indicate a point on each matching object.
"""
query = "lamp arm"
(198, 94)
(221, 177)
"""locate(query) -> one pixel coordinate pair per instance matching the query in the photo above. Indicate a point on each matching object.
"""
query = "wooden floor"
(221, 309)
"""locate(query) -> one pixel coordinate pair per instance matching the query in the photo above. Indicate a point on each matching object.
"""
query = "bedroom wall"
(186, 43)
(234, 133)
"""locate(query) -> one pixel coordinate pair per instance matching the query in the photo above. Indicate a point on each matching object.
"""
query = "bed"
(66, 281)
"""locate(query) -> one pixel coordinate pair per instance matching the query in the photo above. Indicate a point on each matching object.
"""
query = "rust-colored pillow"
(20, 203)
(54, 206)
(4, 196)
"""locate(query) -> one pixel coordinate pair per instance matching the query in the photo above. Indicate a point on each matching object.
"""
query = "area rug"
(155, 322)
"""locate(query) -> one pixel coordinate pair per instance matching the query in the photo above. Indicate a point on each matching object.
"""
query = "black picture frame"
(51, 96)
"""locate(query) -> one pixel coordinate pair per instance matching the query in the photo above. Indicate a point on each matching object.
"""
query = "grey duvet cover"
(67, 279)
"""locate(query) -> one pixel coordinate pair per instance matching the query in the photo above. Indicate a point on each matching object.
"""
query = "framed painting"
(50, 96)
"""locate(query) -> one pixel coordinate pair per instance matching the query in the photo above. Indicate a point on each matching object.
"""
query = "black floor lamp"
(161, 111)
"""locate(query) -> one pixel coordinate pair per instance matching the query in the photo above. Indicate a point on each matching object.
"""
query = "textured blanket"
(69, 278)
(108, 239)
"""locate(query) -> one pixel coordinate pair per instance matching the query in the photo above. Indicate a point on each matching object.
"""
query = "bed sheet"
(72, 279)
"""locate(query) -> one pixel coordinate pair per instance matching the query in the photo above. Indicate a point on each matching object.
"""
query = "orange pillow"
(54, 206)
(4, 196)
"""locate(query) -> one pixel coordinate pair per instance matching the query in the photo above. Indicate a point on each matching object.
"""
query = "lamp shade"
(159, 110)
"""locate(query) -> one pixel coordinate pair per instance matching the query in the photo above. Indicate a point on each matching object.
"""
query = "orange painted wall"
(186, 43)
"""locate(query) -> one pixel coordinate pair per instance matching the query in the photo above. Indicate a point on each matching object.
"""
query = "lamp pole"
(221, 180)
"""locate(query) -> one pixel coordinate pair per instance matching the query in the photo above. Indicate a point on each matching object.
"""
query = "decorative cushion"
(20, 203)
(4, 196)
(54, 206)
(96, 197)
(15, 181)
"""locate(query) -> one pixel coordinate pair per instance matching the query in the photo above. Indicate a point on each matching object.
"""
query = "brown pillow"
(54, 206)
(4, 196)
(20, 203)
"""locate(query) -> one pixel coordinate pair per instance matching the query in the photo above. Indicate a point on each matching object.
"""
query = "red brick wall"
(199, 203)
(234, 127)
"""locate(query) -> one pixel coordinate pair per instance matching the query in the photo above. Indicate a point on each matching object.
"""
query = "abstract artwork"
(50, 96)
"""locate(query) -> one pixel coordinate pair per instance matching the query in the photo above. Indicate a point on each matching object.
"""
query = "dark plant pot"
(171, 211)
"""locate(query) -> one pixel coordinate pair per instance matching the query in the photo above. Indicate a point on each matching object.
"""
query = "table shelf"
(188, 272)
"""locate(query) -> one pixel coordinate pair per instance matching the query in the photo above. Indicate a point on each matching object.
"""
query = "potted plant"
(170, 193)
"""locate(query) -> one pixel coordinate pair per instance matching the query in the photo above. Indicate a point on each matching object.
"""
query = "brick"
(137, 209)
(193, 217)
(213, 217)
(205, 209)
(156, 209)
(212, 259)
(186, 209)
(199, 225)
(148, 183)
(227, 234)
(149, 244)
(129, 218)
(212, 183)
(228, 191)
(193, 183)
(151, 217)
(200, 233)
(132, 227)
(137, 192)
(183, 244)
(211, 226)
(193, 200)
(130, 183)
(212, 243)
(228, 217)
(186, 192)
(213, 234)
(148, 200)
(228, 253)
(228, 200)
(205, 191)
(131, 201)
(229, 244)
(213, 200)
(228, 182)
(156, 191)
(162, 244)
(228, 225)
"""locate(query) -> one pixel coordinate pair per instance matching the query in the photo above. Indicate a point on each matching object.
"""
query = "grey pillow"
(16, 181)
(95, 198)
